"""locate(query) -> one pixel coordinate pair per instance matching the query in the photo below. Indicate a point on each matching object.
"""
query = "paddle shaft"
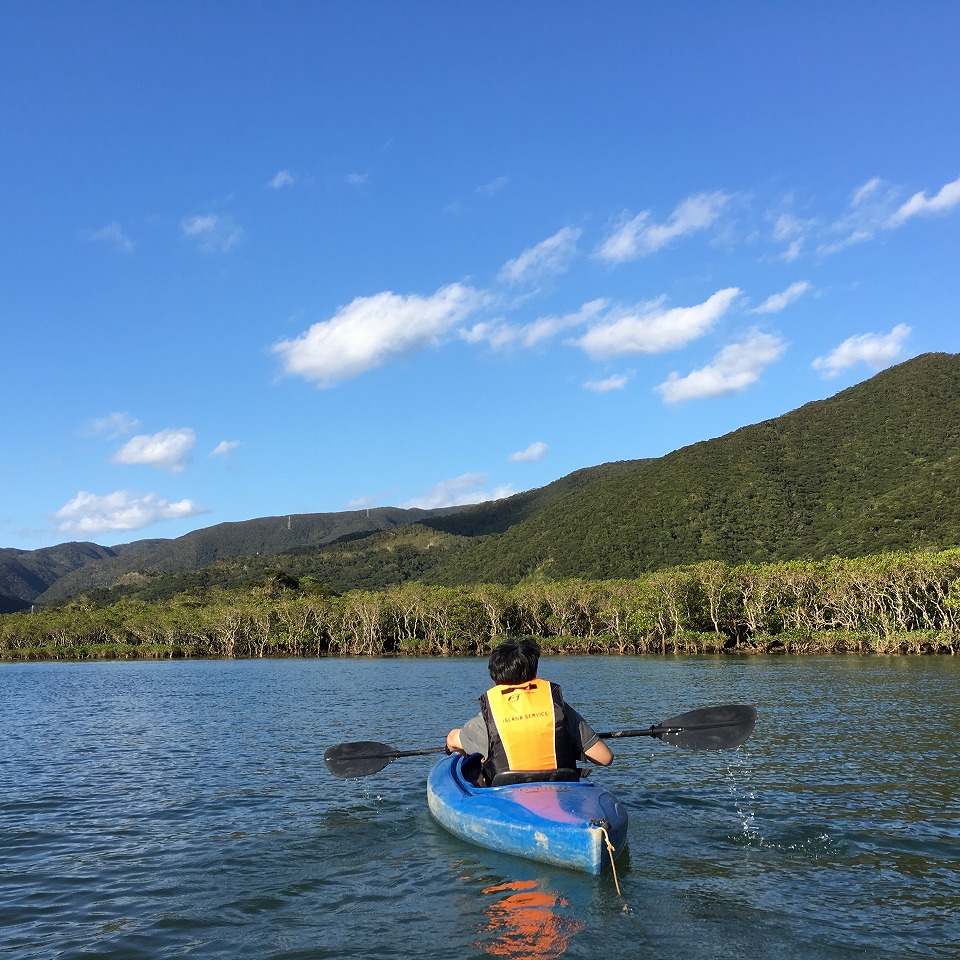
(654, 731)
(658, 730)
(396, 754)
(373, 753)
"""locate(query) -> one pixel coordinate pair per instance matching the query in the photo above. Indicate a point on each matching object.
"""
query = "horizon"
(435, 256)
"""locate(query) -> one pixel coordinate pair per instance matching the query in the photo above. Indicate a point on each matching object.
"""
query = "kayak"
(566, 824)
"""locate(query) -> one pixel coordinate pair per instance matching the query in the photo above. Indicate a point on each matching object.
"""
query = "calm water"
(183, 810)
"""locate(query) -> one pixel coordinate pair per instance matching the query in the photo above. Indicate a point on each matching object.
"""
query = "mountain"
(25, 574)
(264, 536)
(874, 468)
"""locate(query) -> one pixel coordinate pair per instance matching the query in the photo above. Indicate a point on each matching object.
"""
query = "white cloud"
(88, 513)
(493, 187)
(167, 449)
(652, 329)
(868, 212)
(789, 227)
(639, 237)
(867, 192)
(198, 225)
(213, 233)
(793, 231)
(499, 333)
(736, 367)
(792, 253)
(548, 258)
(534, 452)
(779, 301)
(616, 381)
(224, 447)
(874, 349)
(876, 206)
(496, 333)
(919, 205)
(112, 425)
(282, 179)
(113, 233)
(369, 331)
(357, 179)
(460, 491)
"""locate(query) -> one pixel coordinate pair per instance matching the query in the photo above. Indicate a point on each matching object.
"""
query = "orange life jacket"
(526, 728)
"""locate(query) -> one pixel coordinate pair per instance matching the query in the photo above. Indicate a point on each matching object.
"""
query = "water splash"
(807, 839)
(744, 797)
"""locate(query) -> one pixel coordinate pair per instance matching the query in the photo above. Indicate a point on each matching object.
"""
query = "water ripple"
(182, 810)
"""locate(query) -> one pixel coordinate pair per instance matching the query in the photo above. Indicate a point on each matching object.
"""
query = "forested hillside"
(871, 469)
(261, 537)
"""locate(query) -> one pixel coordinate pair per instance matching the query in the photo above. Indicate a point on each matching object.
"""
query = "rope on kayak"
(613, 864)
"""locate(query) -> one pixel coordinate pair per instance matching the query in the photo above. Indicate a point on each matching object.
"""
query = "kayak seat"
(563, 775)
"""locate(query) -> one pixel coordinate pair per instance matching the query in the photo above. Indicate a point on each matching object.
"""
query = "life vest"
(526, 728)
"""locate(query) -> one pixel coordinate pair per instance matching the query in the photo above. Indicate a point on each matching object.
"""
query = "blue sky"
(295, 257)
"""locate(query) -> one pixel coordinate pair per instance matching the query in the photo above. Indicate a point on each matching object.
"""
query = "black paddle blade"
(358, 759)
(712, 728)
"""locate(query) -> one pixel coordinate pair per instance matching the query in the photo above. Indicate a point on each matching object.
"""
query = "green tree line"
(894, 603)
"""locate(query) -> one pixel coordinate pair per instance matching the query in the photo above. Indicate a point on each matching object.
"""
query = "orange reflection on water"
(528, 923)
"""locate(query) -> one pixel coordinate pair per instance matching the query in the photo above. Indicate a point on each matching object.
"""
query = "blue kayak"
(566, 824)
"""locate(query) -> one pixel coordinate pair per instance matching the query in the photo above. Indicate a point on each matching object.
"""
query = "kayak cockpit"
(471, 771)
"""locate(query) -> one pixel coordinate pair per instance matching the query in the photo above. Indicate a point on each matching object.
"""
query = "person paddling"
(525, 729)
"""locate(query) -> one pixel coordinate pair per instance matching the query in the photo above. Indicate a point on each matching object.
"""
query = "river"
(182, 809)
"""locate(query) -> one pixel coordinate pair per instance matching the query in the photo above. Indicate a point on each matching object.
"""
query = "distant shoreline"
(917, 643)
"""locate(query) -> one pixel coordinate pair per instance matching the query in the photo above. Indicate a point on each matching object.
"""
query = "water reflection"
(529, 922)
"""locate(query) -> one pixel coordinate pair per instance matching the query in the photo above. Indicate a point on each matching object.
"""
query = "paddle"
(712, 728)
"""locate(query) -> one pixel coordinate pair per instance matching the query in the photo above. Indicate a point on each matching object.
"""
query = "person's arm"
(599, 753)
(470, 738)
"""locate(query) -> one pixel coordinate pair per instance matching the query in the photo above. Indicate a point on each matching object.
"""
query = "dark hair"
(515, 661)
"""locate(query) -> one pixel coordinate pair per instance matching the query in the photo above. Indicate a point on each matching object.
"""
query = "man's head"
(515, 661)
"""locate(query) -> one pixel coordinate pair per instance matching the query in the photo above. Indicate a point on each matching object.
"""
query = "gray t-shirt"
(473, 734)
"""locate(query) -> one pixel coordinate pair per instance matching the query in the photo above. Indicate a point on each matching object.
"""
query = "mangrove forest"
(891, 603)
